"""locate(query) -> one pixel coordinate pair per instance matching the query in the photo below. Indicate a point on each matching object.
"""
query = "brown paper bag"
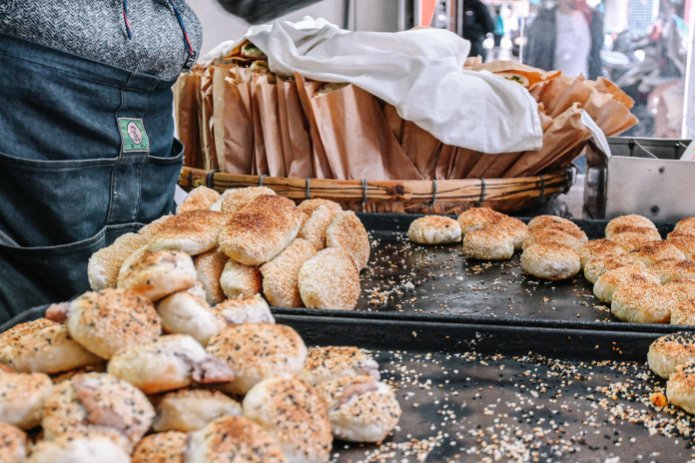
(356, 136)
(206, 120)
(306, 90)
(186, 97)
(422, 148)
(562, 142)
(294, 130)
(269, 157)
(233, 121)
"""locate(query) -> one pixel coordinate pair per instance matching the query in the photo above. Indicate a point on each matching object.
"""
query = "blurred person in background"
(477, 23)
(567, 37)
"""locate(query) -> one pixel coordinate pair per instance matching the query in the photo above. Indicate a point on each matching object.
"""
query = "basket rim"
(424, 191)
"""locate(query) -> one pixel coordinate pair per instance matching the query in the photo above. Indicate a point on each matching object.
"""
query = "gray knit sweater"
(95, 29)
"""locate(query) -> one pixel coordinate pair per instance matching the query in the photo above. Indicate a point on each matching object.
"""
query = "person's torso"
(96, 30)
(572, 44)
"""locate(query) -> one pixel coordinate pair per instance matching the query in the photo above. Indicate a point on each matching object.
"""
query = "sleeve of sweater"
(259, 11)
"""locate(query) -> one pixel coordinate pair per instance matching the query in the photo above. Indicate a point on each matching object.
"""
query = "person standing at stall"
(477, 23)
(87, 147)
(568, 38)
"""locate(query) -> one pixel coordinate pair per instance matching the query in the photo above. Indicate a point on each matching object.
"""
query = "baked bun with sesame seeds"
(314, 228)
(671, 351)
(564, 226)
(193, 232)
(232, 439)
(682, 288)
(656, 251)
(598, 265)
(159, 273)
(105, 264)
(646, 303)
(199, 198)
(347, 232)
(544, 221)
(295, 416)
(476, 218)
(683, 313)
(309, 206)
(111, 319)
(550, 262)
(163, 447)
(209, 267)
(97, 402)
(434, 229)
(610, 281)
(42, 346)
(240, 281)
(669, 270)
(360, 408)
(281, 275)
(167, 363)
(515, 228)
(488, 243)
(261, 230)
(235, 199)
(635, 240)
(680, 388)
(79, 448)
(330, 280)
(22, 396)
(256, 351)
(184, 313)
(631, 220)
(599, 248)
(333, 362)
(188, 410)
(149, 230)
(685, 243)
(13, 444)
(686, 225)
(251, 310)
(542, 236)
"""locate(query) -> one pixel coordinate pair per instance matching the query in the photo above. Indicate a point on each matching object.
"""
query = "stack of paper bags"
(236, 116)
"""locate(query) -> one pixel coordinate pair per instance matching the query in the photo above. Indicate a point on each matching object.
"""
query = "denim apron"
(87, 153)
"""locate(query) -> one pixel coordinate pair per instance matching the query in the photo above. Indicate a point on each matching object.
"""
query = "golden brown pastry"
(42, 346)
(261, 230)
(550, 261)
(434, 229)
(347, 232)
(330, 280)
(647, 303)
(294, 414)
(671, 351)
(281, 275)
(199, 198)
(255, 351)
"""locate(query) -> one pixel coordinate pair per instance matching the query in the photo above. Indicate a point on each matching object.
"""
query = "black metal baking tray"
(405, 281)
(509, 393)
(475, 392)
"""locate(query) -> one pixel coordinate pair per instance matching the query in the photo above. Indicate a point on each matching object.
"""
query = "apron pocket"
(158, 181)
(50, 203)
(31, 276)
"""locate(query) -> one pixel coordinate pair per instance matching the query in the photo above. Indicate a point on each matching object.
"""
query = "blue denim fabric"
(67, 188)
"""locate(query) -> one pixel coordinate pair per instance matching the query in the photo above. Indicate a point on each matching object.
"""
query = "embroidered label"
(133, 135)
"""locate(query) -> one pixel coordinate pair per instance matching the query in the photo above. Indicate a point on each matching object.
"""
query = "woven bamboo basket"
(401, 196)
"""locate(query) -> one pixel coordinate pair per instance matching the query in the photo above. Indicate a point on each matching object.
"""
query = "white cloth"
(572, 43)
(420, 72)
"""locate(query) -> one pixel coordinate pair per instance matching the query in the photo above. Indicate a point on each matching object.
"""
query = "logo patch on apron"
(134, 139)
